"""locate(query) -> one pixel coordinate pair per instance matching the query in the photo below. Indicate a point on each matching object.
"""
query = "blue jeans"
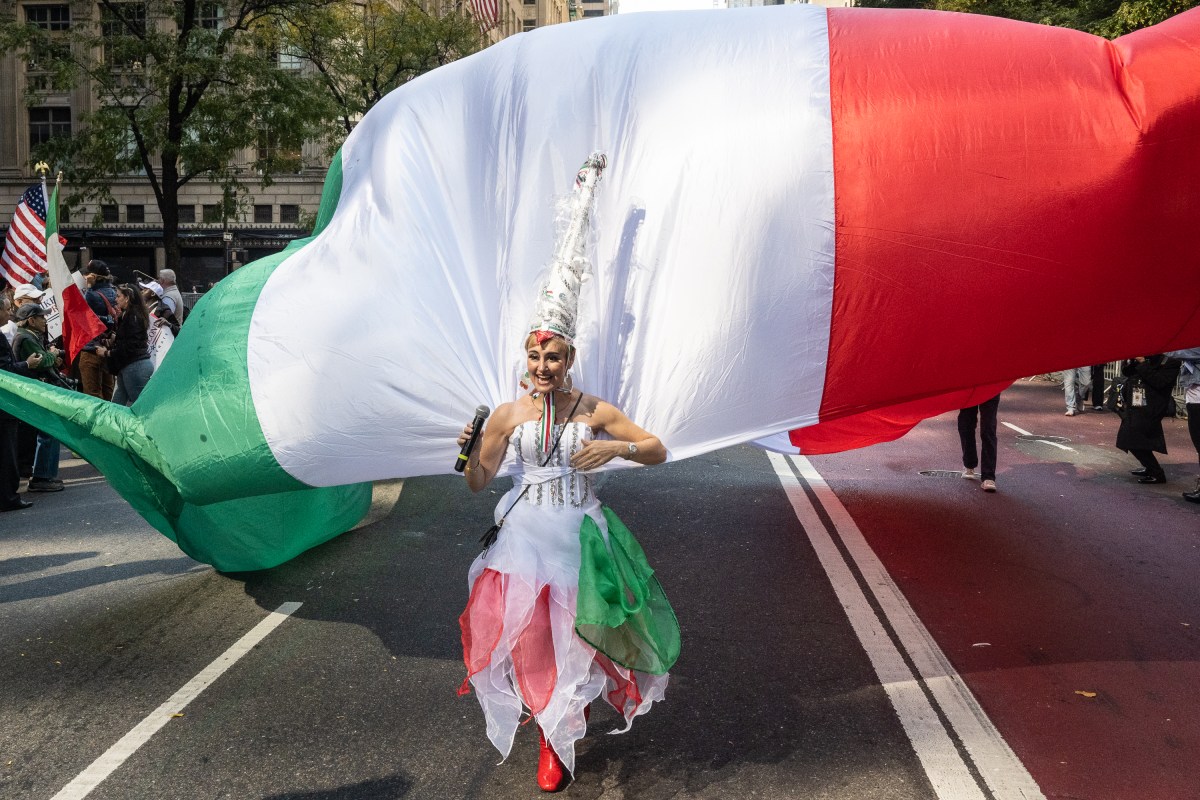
(1077, 383)
(132, 380)
(45, 458)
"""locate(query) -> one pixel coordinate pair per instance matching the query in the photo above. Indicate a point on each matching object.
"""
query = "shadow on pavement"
(75, 580)
(23, 564)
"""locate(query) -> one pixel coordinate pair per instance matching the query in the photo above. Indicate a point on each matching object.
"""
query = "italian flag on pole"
(79, 323)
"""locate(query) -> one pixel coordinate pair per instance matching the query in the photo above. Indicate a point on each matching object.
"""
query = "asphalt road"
(354, 695)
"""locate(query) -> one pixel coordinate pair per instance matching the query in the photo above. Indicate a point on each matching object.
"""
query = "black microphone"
(481, 414)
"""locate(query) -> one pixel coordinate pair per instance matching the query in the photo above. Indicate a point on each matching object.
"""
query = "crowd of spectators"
(115, 366)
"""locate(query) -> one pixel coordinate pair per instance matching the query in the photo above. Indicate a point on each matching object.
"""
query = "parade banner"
(815, 224)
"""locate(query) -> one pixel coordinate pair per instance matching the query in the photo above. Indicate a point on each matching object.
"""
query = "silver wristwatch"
(632, 451)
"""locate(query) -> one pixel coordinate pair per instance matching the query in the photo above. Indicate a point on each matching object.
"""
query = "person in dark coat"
(129, 354)
(10, 478)
(1147, 399)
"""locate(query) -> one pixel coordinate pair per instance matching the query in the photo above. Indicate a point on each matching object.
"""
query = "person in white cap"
(549, 626)
(23, 294)
(160, 305)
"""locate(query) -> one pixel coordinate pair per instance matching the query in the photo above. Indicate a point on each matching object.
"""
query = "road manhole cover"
(1033, 437)
(941, 473)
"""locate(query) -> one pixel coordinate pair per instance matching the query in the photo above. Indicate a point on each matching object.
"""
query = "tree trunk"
(169, 207)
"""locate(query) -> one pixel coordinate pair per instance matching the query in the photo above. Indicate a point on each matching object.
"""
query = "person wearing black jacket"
(10, 478)
(129, 355)
(1147, 398)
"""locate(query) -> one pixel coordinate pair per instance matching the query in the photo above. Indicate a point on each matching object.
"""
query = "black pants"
(26, 448)
(985, 414)
(1098, 386)
(10, 478)
(1146, 459)
(1193, 410)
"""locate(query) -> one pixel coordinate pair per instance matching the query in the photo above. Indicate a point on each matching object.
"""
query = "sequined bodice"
(555, 484)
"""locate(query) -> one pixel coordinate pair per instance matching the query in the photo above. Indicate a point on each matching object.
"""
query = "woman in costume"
(563, 607)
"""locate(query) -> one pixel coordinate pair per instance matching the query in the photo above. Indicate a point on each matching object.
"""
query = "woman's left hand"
(596, 453)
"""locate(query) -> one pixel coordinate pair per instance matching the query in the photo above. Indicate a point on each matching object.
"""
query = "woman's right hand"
(466, 434)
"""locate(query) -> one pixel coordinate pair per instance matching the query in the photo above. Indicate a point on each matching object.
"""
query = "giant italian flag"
(828, 223)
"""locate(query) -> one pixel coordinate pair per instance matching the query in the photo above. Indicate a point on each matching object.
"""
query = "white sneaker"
(988, 486)
(1071, 412)
(969, 474)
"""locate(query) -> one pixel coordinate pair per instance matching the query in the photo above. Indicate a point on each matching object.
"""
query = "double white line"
(962, 753)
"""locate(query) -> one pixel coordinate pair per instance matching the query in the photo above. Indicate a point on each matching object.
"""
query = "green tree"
(1111, 18)
(183, 86)
(361, 51)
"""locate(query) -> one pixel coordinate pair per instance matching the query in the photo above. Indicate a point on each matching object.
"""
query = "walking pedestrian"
(1076, 383)
(1147, 398)
(1189, 380)
(984, 415)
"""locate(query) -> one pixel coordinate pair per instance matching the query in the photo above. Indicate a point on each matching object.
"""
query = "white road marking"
(1043, 441)
(1005, 776)
(116, 755)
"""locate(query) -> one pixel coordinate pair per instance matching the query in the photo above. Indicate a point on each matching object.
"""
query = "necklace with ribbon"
(546, 425)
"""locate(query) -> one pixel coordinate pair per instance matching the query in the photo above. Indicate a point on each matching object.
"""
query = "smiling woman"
(563, 606)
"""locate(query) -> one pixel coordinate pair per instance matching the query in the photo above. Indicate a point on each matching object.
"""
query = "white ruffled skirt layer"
(519, 640)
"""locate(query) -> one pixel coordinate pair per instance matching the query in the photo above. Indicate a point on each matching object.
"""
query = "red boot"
(551, 773)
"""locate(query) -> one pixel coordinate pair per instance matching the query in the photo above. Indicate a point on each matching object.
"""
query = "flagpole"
(43, 169)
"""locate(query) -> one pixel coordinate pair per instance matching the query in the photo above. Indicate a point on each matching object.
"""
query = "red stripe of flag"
(983, 166)
(486, 11)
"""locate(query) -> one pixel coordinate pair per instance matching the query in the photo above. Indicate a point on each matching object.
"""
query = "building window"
(531, 2)
(48, 123)
(49, 18)
(187, 213)
(135, 213)
(276, 153)
(264, 213)
(212, 212)
(528, 25)
(593, 12)
(123, 26)
(289, 215)
(64, 215)
(289, 58)
(109, 213)
(211, 16)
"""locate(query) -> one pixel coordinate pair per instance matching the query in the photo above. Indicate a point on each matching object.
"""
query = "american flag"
(486, 12)
(25, 246)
